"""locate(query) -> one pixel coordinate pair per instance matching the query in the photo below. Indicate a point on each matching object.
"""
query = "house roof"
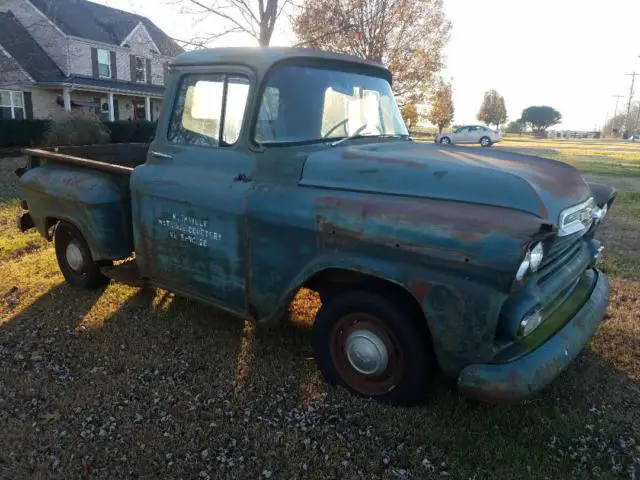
(84, 19)
(26, 51)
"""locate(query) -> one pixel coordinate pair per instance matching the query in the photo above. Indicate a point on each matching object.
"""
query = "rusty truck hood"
(472, 175)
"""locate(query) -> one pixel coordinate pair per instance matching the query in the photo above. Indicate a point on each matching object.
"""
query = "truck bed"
(87, 186)
(113, 158)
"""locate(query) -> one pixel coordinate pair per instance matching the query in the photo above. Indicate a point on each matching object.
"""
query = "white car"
(470, 134)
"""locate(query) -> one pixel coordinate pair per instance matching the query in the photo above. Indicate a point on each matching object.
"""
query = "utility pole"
(633, 76)
(615, 115)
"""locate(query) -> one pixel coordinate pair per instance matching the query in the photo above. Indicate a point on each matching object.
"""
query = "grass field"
(610, 157)
(139, 383)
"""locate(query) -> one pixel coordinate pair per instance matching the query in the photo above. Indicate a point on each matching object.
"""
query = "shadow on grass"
(176, 377)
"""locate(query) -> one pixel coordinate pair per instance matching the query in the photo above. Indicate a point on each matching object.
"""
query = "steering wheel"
(344, 121)
(335, 127)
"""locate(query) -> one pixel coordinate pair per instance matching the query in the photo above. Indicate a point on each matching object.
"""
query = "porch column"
(112, 115)
(66, 97)
(147, 108)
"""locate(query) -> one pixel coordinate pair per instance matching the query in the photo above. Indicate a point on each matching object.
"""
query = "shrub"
(22, 133)
(131, 131)
(76, 129)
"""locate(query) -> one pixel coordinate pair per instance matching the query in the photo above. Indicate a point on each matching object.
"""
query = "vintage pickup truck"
(277, 169)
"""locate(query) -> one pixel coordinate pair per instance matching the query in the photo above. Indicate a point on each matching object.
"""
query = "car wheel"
(485, 142)
(75, 260)
(445, 141)
(368, 345)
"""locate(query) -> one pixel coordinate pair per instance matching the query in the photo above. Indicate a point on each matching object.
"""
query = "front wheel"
(485, 142)
(75, 260)
(368, 345)
(445, 141)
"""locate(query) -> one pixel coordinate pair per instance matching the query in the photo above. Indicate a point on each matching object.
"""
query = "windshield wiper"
(350, 137)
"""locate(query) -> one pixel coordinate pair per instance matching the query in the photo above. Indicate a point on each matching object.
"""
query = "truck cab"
(278, 169)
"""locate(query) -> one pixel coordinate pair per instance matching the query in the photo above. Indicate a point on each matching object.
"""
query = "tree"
(406, 35)
(441, 113)
(515, 127)
(410, 115)
(254, 18)
(540, 117)
(493, 110)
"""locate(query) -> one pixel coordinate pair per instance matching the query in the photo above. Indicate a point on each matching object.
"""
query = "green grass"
(144, 383)
(13, 243)
(588, 156)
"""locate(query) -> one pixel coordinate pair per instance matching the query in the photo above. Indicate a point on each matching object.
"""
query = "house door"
(139, 109)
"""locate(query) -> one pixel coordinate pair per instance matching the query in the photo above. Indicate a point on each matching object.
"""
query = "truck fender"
(391, 272)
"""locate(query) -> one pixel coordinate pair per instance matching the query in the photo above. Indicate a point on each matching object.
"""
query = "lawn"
(610, 157)
(139, 383)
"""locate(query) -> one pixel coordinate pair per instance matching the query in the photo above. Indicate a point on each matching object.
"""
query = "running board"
(127, 273)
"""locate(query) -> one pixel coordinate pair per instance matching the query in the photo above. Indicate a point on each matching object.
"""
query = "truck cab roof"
(262, 59)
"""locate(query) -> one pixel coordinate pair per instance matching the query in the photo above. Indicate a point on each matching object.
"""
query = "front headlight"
(537, 254)
(531, 262)
(600, 213)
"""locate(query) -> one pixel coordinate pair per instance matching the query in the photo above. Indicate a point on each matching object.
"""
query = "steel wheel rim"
(366, 333)
(484, 142)
(73, 255)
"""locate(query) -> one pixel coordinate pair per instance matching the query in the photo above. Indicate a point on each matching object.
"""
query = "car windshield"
(307, 104)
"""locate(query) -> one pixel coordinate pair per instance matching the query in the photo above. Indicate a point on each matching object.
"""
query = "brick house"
(67, 55)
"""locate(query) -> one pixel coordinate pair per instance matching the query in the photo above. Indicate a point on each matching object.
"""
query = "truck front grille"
(562, 253)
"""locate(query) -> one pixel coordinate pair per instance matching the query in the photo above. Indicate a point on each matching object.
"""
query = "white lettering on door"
(189, 230)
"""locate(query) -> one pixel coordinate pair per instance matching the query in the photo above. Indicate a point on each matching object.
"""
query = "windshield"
(306, 104)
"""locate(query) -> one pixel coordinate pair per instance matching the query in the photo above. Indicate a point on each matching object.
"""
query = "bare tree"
(255, 18)
(406, 35)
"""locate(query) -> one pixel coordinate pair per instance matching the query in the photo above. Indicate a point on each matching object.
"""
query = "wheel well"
(49, 223)
(332, 281)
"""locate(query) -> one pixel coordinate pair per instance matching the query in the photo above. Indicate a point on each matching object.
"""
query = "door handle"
(166, 156)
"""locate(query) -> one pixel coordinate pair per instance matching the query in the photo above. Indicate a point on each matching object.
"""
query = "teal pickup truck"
(277, 169)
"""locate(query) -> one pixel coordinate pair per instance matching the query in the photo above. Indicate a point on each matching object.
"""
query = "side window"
(198, 115)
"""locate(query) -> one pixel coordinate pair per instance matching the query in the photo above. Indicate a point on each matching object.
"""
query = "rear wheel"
(75, 260)
(365, 343)
(445, 141)
(485, 142)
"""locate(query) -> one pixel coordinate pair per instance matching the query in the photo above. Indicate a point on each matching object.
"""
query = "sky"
(569, 54)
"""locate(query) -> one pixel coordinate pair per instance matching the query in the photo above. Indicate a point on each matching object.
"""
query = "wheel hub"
(366, 352)
(74, 256)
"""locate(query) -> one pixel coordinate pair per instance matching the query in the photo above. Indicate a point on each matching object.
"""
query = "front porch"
(109, 100)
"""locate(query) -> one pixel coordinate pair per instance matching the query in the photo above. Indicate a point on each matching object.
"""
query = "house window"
(141, 70)
(104, 63)
(11, 105)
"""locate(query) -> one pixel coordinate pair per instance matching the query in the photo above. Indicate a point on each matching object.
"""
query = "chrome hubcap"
(485, 142)
(74, 256)
(366, 352)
